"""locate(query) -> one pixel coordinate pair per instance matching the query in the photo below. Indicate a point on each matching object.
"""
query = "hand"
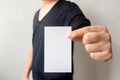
(97, 41)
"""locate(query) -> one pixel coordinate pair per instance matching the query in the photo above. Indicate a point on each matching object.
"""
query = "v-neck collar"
(47, 13)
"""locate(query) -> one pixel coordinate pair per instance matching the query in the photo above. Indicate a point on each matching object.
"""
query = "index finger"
(78, 34)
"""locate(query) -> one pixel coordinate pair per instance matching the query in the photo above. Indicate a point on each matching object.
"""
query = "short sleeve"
(75, 17)
(35, 20)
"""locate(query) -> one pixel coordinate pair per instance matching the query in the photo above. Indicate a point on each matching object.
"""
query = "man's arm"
(97, 41)
(28, 66)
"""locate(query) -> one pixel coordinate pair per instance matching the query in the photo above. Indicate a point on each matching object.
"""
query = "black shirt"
(63, 13)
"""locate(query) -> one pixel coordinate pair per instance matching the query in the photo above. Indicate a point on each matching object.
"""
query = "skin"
(28, 66)
(96, 39)
(46, 6)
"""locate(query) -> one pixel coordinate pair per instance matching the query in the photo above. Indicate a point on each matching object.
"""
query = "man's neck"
(47, 2)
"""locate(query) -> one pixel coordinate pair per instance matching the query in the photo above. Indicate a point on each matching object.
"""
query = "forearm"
(29, 64)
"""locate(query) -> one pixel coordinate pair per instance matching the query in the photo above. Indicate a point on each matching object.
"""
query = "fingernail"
(69, 35)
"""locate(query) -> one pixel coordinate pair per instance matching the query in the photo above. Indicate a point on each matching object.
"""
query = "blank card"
(57, 49)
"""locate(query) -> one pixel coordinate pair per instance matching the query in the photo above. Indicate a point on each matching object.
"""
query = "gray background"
(16, 36)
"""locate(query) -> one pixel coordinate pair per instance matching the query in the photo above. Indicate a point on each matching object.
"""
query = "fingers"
(97, 41)
(78, 34)
(94, 37)
(95, 47)
(98, 47)
(91, 37)
(101, 56)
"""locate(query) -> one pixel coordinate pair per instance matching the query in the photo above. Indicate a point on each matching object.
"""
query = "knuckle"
(107, 47)
(104, 28)
(93, 56)
(87, 47)
(86, 38)
(108, 56)
(108, 37)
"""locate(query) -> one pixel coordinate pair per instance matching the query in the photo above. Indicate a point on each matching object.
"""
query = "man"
(96, 39)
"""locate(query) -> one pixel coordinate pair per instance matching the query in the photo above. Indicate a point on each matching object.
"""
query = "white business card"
(57, 49)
